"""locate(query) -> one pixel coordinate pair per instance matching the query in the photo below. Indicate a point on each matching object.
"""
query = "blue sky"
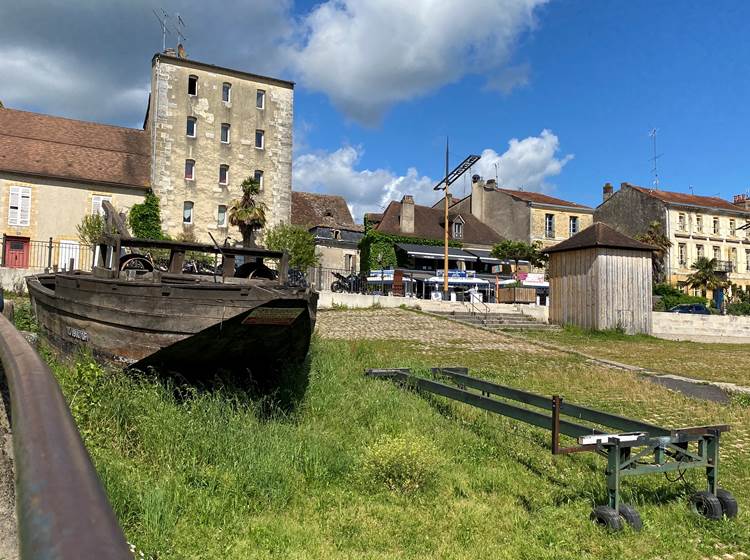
(578, 85)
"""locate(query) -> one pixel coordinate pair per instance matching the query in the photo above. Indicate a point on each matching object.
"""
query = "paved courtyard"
(430, 331)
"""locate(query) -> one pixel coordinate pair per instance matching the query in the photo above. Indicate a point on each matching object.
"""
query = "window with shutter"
(96, 204)
(19, 208)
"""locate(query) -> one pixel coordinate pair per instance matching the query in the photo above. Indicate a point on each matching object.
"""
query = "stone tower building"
(210, 129)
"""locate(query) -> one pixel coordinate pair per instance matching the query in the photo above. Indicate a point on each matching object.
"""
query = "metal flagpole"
(445, 256)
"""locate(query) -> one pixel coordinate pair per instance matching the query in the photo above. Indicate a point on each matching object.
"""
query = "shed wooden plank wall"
(601, 288)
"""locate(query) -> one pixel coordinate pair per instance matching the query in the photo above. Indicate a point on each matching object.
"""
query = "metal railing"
(61, 507)
(324, 278)
(46, 255)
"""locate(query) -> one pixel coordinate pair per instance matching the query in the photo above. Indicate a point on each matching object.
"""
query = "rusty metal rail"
(61, 507)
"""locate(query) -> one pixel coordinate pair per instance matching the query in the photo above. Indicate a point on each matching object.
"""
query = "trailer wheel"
(706, 504)
(631, 515)
(607, 517)
(728, 503)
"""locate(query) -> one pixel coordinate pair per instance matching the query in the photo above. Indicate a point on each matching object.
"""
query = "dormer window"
(458, 228)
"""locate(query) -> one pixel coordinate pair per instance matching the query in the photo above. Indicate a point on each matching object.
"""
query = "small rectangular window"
(223, 174)
(260, 99)
(96, 204)
(699, 253)
(221, 216)
(549, 225)
(225, 133)
(192, 127)
(187, 212)
(258, 176)
(573, 225)
(458, 230)
(683, 254)
(226, 93)
(189, 169)
(19, 207)
(717, 253)
(732, 228)
(747, 260)
(193, 85)
(260, 139)
(681, 222)
(716, 225)
(699, 223)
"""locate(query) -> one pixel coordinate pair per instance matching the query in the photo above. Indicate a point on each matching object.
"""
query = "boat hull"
(194, 330)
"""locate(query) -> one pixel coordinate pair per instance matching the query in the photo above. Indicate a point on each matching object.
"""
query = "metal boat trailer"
(631, 447)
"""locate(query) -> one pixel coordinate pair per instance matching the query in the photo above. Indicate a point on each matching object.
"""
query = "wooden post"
(284, 268)
(228, 266)
(176, 260)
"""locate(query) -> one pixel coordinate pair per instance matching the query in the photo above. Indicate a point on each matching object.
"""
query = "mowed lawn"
(364, 469)
(713, 362)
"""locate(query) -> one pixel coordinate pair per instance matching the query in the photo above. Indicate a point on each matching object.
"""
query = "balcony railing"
(725, 266)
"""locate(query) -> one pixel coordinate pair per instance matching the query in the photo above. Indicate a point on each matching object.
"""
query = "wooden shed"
(601, 279)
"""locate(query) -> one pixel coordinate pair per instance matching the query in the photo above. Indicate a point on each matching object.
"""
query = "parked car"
(694, 308)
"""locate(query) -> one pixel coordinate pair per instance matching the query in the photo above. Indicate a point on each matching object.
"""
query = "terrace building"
(697, 226)
(523, 216)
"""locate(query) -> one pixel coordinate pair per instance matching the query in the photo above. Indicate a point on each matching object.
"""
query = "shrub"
(738, 309)
(404, 464)
(145, 219)
(295, 240)
(671, 296)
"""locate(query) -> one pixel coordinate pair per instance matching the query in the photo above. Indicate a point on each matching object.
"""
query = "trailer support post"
(712, 461)
(613, 475)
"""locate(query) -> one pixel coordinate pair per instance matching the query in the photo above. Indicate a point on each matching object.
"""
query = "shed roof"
(599, 234)
(47, 146)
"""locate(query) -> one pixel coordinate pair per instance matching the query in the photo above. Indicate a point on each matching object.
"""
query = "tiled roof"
(428, 224)
(539, 198)
(326, 210)
(599, 234)
(687, 199)
(42, 145)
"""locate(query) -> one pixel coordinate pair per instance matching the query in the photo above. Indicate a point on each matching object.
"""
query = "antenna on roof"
(654, 169)
(497, 178)
(163, 22)
(178, 29)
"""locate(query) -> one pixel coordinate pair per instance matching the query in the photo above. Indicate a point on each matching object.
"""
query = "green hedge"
(742, 308)
(671, 296)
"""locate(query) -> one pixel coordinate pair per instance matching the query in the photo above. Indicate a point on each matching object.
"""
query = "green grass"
(713, 362)
(195, 474)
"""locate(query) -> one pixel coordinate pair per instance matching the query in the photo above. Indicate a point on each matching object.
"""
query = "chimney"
(477, 197)
(169, 51)
(407, 214)
(742, 200)
(181, 51)
(608, 190)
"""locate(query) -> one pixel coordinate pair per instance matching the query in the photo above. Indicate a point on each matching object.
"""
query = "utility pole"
(445, 256)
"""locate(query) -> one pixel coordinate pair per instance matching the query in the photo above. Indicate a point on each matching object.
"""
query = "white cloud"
(527, 164)
(366, 56)
(365, 190)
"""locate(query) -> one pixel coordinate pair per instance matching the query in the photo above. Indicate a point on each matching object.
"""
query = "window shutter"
(15, 197)
(25, 209)
(96, 204)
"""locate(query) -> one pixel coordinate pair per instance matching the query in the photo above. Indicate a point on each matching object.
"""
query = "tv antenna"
(178, 29)
(164, 30)
(654, 159)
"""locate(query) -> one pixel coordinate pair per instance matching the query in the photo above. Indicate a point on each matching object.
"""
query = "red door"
(17, 252)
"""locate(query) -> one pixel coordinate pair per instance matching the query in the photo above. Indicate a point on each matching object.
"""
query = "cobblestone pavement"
(398, 324)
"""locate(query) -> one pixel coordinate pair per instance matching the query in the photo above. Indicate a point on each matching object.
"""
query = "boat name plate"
(80, 334)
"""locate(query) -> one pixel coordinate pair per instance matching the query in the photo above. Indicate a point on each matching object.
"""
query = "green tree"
(144, 219)
(509, 250)
(248, 213)
(705, 278)
(90, 229)
(295, 240)
(654, 235)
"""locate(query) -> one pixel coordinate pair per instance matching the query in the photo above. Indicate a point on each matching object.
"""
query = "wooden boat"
(250, 323)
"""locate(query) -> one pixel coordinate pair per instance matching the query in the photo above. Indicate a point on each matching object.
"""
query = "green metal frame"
(668, 449)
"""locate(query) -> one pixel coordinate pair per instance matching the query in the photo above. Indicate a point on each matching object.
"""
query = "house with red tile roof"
(53, 172)
(697, 226)
(523, 215)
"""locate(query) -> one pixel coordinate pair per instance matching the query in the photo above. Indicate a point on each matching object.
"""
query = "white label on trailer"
(77, 333)
(604, 438)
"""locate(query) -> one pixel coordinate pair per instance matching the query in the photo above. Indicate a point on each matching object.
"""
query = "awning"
(452, 281)
(434, 252)
(483, 255)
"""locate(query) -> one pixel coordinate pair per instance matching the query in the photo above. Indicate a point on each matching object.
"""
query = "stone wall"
(701, 328)
(170, 108)
(561, 223)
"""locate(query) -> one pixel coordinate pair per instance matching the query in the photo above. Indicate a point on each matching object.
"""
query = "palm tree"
(654, 235)
(704, 278)
(248, 213)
